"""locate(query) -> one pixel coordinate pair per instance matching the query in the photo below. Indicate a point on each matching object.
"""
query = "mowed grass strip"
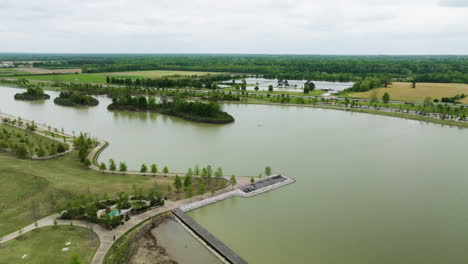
(403, 92)
(44, 245)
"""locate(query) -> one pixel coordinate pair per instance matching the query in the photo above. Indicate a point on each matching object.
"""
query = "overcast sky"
(235, 26)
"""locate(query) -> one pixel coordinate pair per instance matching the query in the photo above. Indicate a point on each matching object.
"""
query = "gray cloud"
(241, 26)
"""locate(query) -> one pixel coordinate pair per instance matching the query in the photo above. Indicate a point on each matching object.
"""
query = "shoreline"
(462, 124)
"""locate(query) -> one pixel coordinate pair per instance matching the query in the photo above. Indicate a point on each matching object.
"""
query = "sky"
(235, 26)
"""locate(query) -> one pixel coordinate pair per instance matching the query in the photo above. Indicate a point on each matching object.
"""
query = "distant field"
(92, 78)
(156, 74)
(404, 92)
(45, 71)
(101, 77)
(44, 245)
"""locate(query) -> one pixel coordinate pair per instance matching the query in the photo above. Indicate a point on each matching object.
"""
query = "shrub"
(61, 148)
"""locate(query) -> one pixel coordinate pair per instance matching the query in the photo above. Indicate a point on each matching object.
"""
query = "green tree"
(154, 168)
(267, 170)
(201, 188)
(112, 165)
(122, 167)
(427, 101)
(233, 181)
(270, 88)
(188, 179)
(165, 169)
(189, 192)
(252, 180)
(102, 166)
(386, 98)
(196, 170)
(177, 184)
(373, 96)
(22, 152)
(143, 169)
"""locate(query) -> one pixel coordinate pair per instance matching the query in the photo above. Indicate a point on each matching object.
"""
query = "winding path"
(106, 237)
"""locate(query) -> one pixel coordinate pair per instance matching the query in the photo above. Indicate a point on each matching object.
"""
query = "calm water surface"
(181, 245)
(370, 189)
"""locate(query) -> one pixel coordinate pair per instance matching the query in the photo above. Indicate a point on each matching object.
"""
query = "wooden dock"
(209, 239)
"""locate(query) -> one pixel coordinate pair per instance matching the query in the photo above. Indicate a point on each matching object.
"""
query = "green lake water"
(370, 189)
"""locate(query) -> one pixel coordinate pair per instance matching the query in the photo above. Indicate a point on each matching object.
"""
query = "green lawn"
(44, 245)
(23, 186)
(82, 78)
(63, 178)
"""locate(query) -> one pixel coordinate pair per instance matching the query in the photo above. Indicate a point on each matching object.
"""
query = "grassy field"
(404, 92)
(81, 78)
(11, 137)
(101, 77)
(64, 177)
(157, 74)
(44, 245)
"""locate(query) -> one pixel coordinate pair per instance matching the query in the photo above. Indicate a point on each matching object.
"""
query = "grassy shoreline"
(368, 111)
(374, 112)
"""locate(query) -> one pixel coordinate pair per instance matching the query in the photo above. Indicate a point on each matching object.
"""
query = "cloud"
(454, 3)
(241, 26)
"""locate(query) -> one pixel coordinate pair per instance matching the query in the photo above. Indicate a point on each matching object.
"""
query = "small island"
(75, 99)
(202, 112)
(32, 94)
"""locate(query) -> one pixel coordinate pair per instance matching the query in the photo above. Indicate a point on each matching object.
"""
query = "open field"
(403, 91)
(34, 70)
(81, 78)
(44, 245)
(101, 77)
(64, 177)
(156, 74)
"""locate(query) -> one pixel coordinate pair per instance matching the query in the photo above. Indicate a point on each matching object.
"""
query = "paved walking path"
(106, 237)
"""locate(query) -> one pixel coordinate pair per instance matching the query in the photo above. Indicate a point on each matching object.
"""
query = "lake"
(294, 85)
(370, 189)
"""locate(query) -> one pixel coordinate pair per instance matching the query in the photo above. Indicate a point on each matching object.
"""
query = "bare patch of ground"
(144, 248)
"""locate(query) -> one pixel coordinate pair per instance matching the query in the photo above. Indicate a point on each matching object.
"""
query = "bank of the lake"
(370, 188)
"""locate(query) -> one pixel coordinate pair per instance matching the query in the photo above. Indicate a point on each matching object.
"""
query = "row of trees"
(207, 81)
(84, 144)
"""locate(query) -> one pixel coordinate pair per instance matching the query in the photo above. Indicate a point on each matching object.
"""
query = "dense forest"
(209, 112)
(208, 81)
(32, 93)
(75, 99)
(309, 67)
